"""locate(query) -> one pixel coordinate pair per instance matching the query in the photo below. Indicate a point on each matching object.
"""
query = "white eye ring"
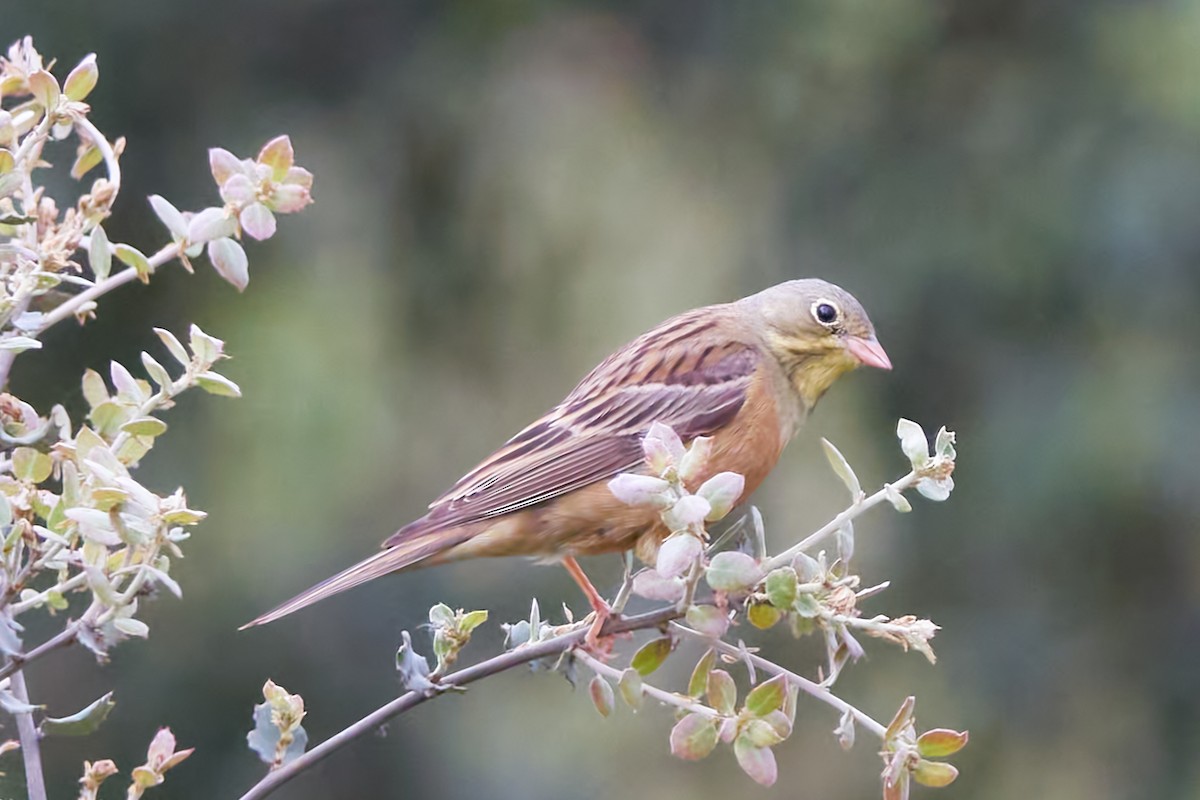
(826, 312)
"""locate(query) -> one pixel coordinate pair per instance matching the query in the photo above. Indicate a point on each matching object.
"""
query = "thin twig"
(809, 687)
(661, 695)
(69, 307)
(18, 661)
(841, 519)
(35, 781)
(462, 677)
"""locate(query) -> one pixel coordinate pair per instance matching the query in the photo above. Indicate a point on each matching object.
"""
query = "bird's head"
(817, 332)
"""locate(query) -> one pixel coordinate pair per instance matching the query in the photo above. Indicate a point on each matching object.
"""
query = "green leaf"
(781, 587)
(935, 774)
(763, 615)
(694, 737)
(214, 383)
(472, 620)
(651, 655)
(132, 257)
(761, 733)
(82, 79)
(94, 389)
(732, 571)
(722, 691)
(698, 683)
(630, 687)
(941, 742)
(767, 696)
(85, 161)
(841, 468)
(145, 426)
(81, 722)
(31, 465)
(806, 606)
(278, 155)
(602, 695)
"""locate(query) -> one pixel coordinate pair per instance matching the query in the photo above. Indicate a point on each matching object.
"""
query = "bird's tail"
(392, 559)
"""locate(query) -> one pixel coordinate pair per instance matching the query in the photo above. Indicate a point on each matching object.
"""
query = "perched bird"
(744, 373)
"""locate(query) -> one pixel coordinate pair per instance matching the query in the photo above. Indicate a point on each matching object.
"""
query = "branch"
(501, 663)
(809, 687)
(35, 781)
(831, 527)
(128, 275)
(17, 661)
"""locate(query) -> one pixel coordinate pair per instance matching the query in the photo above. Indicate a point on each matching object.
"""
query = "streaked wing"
(682, 373)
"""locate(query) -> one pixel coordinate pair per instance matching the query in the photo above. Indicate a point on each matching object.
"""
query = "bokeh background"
(507, 191)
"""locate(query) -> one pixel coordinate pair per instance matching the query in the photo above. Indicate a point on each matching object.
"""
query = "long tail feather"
(383, 562)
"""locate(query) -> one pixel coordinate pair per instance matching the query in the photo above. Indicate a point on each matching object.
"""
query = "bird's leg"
(602, 609)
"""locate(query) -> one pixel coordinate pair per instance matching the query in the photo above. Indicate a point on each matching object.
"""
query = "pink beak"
(868, 351)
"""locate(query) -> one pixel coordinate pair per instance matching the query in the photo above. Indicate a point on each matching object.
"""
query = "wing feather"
(667, 375)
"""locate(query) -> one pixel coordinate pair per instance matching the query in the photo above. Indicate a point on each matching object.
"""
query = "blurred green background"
(506, 191)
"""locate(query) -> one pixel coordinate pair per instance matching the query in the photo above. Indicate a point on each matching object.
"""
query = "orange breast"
(592, 521)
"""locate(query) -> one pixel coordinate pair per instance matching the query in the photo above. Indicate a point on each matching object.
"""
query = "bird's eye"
(825, 312)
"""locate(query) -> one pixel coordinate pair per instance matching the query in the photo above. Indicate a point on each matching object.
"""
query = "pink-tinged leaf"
(696, 458)
(651, 655)
(223, 164)
(732, 572)
(904, 717)
(278, 155)
(288, 198)
(689, 510)
(229, 259)
(161, 748)
(709, 620)
(677, 554)
(722, 491)
(935, 774)
(239, 190)
(82, 80)
(722, 691)
(663, 447)
(258, 221)
(299, 176)
(652, 586)
(897, 788)
(44, 89)
(602, 695)
(757, 762)
(211, 223)
(639, 490)
(694, 737)
(941, 742)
